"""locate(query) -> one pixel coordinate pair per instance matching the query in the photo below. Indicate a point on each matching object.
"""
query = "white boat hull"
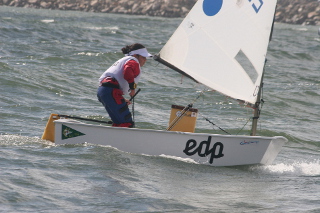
(211, 149)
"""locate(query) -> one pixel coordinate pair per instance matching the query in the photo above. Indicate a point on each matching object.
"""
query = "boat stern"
(49, 130)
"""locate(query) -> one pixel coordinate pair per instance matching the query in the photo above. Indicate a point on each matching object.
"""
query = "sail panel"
(206, 46)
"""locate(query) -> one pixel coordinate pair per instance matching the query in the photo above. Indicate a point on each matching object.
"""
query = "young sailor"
(120, 79)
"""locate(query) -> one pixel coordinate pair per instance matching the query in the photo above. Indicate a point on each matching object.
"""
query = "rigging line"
(178, 118)
(181, 80)
(261, 105)
(214, 124)
(251, 118)
(183, 112)
(133, 112)
(132, 99)
(244, 125)
(202, 92)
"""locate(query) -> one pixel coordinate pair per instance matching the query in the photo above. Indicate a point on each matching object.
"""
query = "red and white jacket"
(126, 71)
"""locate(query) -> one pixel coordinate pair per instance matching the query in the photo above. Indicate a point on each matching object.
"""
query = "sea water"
(50, 62)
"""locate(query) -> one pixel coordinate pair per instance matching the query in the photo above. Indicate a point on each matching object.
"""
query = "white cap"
(143, 52)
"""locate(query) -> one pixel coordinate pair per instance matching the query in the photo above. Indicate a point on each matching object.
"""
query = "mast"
(256, 113)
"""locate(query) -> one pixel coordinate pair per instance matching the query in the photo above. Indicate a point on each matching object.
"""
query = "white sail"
(223, 45)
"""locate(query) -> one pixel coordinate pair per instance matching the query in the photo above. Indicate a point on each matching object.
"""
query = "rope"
(215, 125)
(261, 104)
(132, 99)
(244, 126)
(177, 119)
(250, 119)
(133, 112)
(183, 112)
(203, 91)
(262, 101)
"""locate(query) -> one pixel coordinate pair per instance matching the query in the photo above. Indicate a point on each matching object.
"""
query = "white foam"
(89, 54)
(187, 160)
(47, 20)
(295, 168)
(113, 29)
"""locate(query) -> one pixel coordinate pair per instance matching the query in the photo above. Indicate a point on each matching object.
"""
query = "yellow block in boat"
(187, 123)
(48, 133)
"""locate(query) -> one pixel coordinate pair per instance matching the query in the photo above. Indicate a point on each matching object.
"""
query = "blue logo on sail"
(211, 7)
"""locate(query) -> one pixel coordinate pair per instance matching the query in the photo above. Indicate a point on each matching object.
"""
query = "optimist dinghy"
(222, 45)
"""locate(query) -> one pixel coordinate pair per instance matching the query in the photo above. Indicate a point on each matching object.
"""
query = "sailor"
(121, 79)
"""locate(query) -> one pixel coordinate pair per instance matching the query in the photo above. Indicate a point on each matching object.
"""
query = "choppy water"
(50, 62)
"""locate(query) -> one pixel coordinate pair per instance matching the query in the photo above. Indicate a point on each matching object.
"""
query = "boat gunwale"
(71, 121)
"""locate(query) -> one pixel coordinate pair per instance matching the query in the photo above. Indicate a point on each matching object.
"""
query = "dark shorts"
(113, 101)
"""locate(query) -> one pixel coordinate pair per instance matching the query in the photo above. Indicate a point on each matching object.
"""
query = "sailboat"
(222, 45)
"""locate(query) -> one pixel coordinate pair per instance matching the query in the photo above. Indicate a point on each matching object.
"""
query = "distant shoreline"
(300, 12)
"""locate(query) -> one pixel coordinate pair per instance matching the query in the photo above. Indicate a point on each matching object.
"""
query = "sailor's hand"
(127, 101)
(132, 92)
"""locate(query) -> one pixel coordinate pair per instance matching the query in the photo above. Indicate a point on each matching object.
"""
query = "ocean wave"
(298, 168)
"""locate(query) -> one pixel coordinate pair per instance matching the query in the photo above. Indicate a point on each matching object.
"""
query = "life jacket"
(116, 71)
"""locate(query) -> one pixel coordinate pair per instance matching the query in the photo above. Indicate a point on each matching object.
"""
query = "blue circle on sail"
(211, 7)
